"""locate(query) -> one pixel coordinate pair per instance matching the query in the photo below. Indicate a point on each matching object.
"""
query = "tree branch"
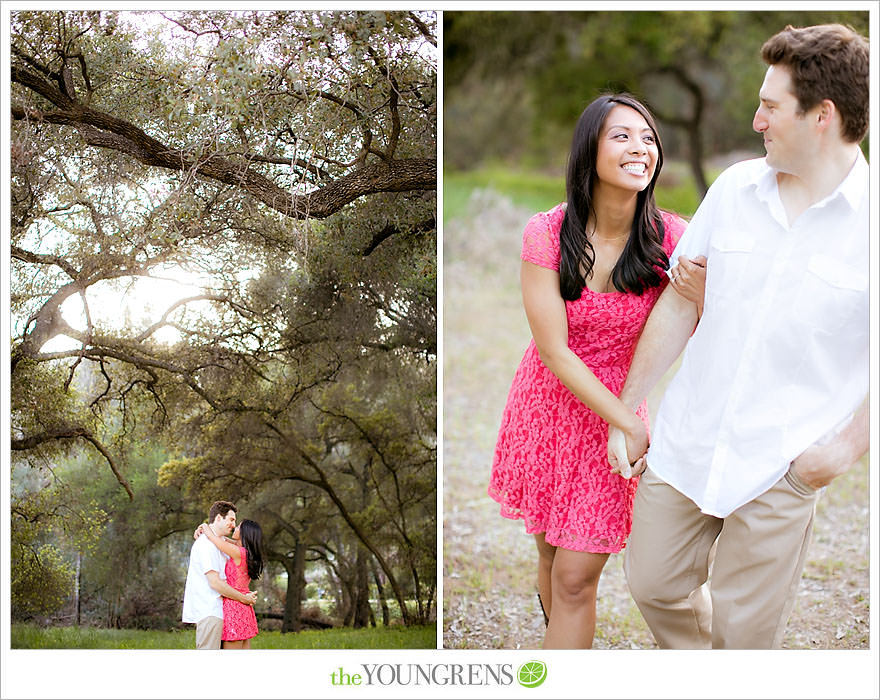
(43, 259)
(281, 160)
(391, 230)
(71, 433)
(106, 131)
(423, 28)
(162, 321)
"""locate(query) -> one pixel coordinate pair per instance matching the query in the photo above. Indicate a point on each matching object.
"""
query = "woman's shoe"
(544, 612)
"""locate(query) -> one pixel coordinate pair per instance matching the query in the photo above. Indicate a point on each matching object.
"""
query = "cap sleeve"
(673, 226)
(540, 244)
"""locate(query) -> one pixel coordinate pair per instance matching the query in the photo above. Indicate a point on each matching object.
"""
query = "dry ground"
(489, 562)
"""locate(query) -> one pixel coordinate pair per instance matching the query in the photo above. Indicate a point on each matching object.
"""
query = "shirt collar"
(852, 188)
(764, 182)
(854, 185)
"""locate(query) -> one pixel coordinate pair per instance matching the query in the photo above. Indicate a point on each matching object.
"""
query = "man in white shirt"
(206, 580)
(769, 403)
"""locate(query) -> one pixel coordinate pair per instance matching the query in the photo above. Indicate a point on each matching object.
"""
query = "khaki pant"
(209, 632)
(758, 559)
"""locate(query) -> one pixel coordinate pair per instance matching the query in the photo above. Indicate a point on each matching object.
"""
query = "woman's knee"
(576, 582)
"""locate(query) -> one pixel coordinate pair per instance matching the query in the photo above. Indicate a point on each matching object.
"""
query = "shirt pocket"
(830, 295)
(729, 264)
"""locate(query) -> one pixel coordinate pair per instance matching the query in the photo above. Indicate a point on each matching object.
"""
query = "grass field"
(34, 637)
(538, 192)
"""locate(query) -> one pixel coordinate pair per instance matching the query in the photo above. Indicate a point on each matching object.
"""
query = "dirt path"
(489, 562)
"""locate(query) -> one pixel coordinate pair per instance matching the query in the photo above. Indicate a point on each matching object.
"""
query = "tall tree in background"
(283, 160)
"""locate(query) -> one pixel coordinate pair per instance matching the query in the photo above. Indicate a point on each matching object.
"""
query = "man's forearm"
(226, 590)
(819, 464)
(851, 443)
(664, 336)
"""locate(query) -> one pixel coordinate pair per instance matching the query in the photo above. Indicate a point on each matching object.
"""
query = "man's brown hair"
(220, 508)
(826, 62)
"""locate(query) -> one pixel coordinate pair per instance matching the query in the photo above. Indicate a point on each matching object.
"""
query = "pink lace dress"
(239, 620)
(551, 466)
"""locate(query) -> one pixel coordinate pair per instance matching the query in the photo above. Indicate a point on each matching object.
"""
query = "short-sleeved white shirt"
(780, 357)
(199, 599)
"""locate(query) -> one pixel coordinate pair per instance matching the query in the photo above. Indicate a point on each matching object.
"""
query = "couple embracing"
(224, 559)
(766, 290)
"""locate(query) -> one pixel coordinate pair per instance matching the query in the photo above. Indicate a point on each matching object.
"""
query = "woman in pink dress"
(244, 565)
(592, 269)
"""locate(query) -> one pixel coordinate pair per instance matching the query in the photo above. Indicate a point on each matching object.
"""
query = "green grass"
(539, 192)
(846, 488)
(530, 190)
(34, 637)
(681, 197)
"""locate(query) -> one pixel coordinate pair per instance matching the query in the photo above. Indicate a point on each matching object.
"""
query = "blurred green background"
(515, 84)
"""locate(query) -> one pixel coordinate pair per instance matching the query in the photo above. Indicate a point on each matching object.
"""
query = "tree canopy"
(286, 163)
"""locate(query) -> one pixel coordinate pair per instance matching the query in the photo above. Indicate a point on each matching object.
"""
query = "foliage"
(285, 161)
(47, 519)
(41, 579)
(148, 538)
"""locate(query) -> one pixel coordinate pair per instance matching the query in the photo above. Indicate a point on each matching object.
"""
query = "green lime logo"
(531, 674)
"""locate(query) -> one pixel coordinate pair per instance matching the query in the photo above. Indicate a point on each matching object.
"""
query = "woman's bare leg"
(574, 581)
(546, 553)
(234, 644)
(246, 644)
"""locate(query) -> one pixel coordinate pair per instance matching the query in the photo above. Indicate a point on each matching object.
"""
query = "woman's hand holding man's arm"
(688, 278)
(664, 336)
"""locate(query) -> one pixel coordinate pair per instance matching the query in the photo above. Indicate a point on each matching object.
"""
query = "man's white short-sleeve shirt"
(199, 599)
(780, 356)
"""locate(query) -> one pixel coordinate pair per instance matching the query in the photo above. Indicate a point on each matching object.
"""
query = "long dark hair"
(252, 541)
(635, 270)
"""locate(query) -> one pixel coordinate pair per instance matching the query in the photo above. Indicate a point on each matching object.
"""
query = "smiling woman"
(592, 269)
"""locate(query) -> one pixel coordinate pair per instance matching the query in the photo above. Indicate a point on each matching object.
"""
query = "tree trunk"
(296, 583)
(77, 591)
(348, 603)
(323, 483)
(428, 601)
(692, 124)
(417, 589)
(361, 601)
(383, 601)
(695, 160)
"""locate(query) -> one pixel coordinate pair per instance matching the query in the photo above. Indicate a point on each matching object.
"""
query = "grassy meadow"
(396, 637)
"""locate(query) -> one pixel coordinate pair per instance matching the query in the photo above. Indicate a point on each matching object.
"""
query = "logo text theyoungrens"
(425, 674)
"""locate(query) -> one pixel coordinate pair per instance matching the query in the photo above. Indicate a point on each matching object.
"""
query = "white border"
(625, 674)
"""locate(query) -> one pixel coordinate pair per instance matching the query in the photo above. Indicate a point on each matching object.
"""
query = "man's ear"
(825, 113)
